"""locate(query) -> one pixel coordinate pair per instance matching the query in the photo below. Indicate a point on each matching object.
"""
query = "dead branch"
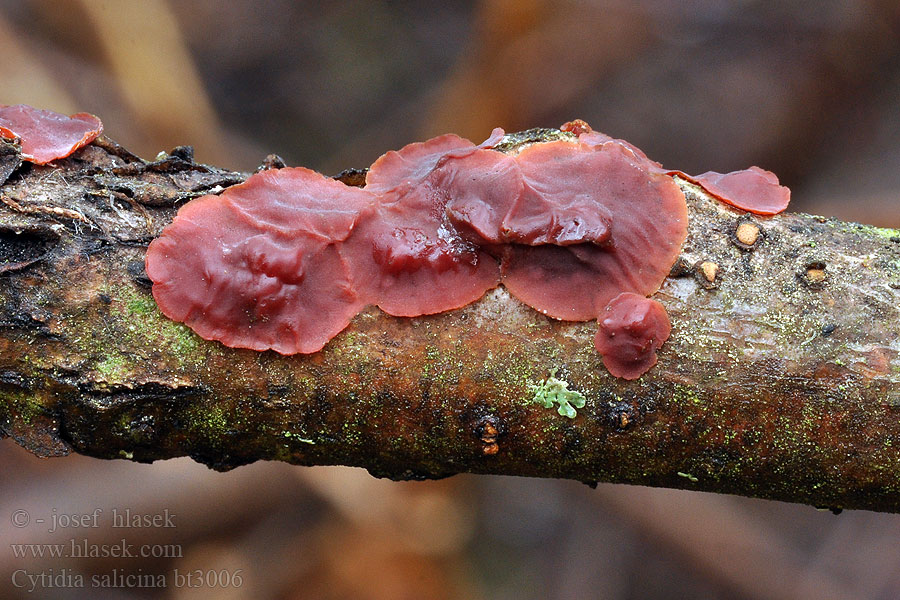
(781, 378)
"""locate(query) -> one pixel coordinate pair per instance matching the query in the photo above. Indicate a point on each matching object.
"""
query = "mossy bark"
(781, 378)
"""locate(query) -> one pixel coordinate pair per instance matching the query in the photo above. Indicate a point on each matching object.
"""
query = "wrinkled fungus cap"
(631, 330)
(410, 267)
(259, 266)
(522, 199)
(648, 217)
(755, 190)
(400, 169)
(404, 256)
(285, 260)
(45, 135)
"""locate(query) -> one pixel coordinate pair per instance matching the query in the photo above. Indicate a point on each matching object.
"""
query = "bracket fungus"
(45, 135)
(580, 229)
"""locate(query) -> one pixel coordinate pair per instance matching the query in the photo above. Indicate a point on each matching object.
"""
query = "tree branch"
(781, 378)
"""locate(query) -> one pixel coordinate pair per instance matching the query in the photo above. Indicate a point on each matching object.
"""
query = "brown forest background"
(808, 89)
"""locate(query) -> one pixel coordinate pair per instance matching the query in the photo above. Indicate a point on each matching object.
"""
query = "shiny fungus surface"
(755, 190)
(397, 170)
(45, 135)
(509, 200)
(260, 266)
(647, 216)
(285, 260)
(404, 256)
(631, 329)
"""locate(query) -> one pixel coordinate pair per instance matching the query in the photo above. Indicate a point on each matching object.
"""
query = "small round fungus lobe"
(576, 126)
(45, 135)
(631, 329)
(754, 189)
(259, 266)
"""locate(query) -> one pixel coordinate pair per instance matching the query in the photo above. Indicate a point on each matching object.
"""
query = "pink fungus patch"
(514, 200)
(45, 135)
(260, 266)
(632, 329)
(575, 229)
(754, 189)
(409, 267)
(644, 212)
(405, 257)
(399, 170)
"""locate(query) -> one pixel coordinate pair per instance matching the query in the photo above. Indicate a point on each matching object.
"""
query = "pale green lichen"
(556, 391)
(297, 437)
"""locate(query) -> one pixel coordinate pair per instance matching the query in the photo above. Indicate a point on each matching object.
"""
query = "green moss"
(144, 326)
(20, 406)
(112, 366)
(883, 232)
(685, 393)
(139, 305)
(209, 422)
(553, 391)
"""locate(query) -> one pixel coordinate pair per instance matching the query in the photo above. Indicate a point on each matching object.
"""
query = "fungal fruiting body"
(645, 214)
(404, 257)
(631, 330)
(754, 190)
(45, 135)
(579, 229)
(260, 265)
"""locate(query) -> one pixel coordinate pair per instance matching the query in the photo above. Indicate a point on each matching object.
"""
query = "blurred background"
(807, 89)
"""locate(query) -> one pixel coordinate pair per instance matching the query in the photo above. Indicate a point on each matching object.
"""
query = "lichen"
(297, 437)
(554, 391)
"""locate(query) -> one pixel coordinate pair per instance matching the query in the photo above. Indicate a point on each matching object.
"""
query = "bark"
(781, 378)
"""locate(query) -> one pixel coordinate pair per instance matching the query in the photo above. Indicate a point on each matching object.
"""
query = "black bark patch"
(10, 159)
(20, 248)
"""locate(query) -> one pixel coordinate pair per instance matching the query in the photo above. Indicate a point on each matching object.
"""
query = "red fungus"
(405, 258)
(407, 167)
(259, 266)
(502, 199)
(632, 328)
(285, 260)
(410, 264)
(46, 135)
(754, 189)
(588, 136)
(649, 224)
(400, 169)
